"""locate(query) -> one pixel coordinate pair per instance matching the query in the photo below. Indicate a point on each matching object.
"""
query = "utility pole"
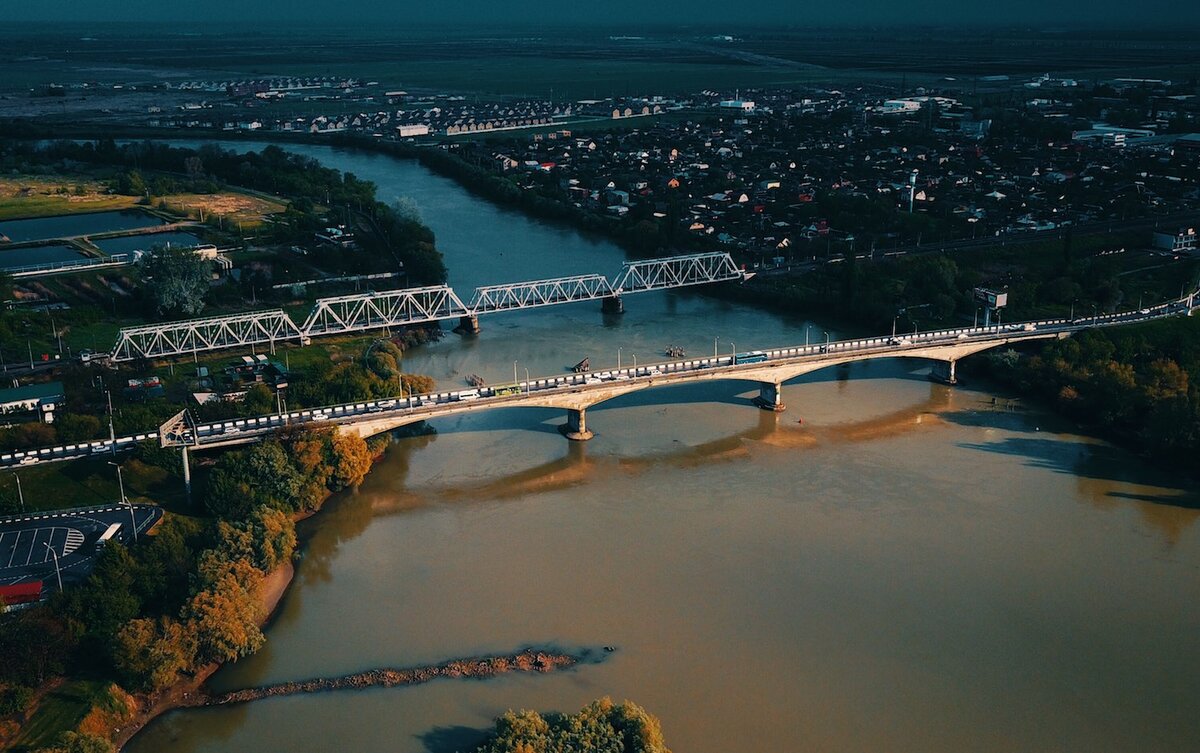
(112, 434)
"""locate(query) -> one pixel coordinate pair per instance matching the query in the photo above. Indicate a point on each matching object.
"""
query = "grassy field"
(91, 481)
(24, 196)
(61, 709)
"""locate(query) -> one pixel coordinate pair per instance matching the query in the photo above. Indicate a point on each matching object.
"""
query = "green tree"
(130, 183)
(74, 427)
(175, 279)
(351, 461)
(259, 400)
(224, 614)
(600, 727)
(151, 653)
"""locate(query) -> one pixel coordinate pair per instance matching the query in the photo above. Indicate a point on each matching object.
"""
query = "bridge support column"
(467, 325)
(612, 305)
(769, 397)
(576, 428)
(187, 474)
(944, 371)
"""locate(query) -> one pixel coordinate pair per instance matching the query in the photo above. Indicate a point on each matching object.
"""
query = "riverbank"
(183, 693)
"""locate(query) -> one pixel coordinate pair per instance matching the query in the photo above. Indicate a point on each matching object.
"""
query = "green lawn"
(89, 481)
(60, 710)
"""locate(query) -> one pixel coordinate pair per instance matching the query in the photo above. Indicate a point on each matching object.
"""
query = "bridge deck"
(580, 390)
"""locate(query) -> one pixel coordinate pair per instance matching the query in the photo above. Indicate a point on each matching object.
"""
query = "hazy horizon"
(477, 14)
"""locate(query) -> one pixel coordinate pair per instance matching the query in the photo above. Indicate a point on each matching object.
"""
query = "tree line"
(193, 593)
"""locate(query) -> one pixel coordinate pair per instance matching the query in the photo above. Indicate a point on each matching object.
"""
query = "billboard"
(993, 299)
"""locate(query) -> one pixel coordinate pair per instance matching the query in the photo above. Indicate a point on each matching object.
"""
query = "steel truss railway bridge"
(396, 308)
(575, 393)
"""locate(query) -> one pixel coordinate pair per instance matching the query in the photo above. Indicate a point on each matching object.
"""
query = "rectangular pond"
(25, 257)
(69, 225)
(131, 243)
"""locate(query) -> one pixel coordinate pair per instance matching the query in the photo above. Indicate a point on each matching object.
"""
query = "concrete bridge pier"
(612, 305)
(769, 397)
(944, 371)
(576, 428)
(467, 325)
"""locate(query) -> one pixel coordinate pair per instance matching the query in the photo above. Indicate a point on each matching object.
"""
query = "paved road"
(220, 433)
(72, 534)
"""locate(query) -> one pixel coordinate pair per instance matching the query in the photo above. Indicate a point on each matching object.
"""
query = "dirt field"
(235, 207)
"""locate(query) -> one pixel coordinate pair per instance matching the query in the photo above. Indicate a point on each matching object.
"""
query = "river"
(913, 567)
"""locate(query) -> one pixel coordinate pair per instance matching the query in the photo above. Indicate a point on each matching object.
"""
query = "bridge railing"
(219, 430)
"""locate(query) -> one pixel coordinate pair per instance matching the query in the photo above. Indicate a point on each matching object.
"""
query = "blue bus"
(754, 356)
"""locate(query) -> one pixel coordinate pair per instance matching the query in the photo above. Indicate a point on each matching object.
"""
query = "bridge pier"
(576, 428)
(612, 304)
(769, 397)
(187, 473)
(468, 325)
(944, 371)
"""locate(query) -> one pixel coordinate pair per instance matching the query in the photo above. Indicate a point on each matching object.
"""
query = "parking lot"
(29, 543)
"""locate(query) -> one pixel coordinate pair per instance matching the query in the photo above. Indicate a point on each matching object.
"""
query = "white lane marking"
(74, 541)
(14, 549)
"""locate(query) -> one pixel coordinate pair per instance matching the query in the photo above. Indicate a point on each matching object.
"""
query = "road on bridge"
(574, 387)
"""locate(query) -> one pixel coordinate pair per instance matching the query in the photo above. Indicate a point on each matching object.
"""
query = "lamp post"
(618, 359)
(733, 350)
(897, 316)
(20, 494)
(715, 346)
(124, 500)
(526, 381)
(515, 380)
(57, 571)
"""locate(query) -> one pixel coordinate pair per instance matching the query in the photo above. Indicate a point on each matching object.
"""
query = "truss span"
(677, 272)
(391, 308)
(209, 333)
(394, 308)
(526, 295)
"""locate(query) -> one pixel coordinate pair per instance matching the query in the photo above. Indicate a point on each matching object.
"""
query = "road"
(420, 407)
(26, 541)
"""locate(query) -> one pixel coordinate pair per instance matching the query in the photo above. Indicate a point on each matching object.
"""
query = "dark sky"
(1063, 13)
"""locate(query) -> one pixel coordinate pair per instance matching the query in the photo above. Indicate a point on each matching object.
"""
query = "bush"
(14, 699)
(599, 727)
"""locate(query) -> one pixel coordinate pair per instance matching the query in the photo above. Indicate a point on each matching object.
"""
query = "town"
(843, 369)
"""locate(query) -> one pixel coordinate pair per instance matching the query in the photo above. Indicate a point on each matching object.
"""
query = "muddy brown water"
(912, 568)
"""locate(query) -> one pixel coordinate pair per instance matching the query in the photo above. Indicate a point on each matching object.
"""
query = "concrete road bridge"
(768, 370)
(408, 306)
